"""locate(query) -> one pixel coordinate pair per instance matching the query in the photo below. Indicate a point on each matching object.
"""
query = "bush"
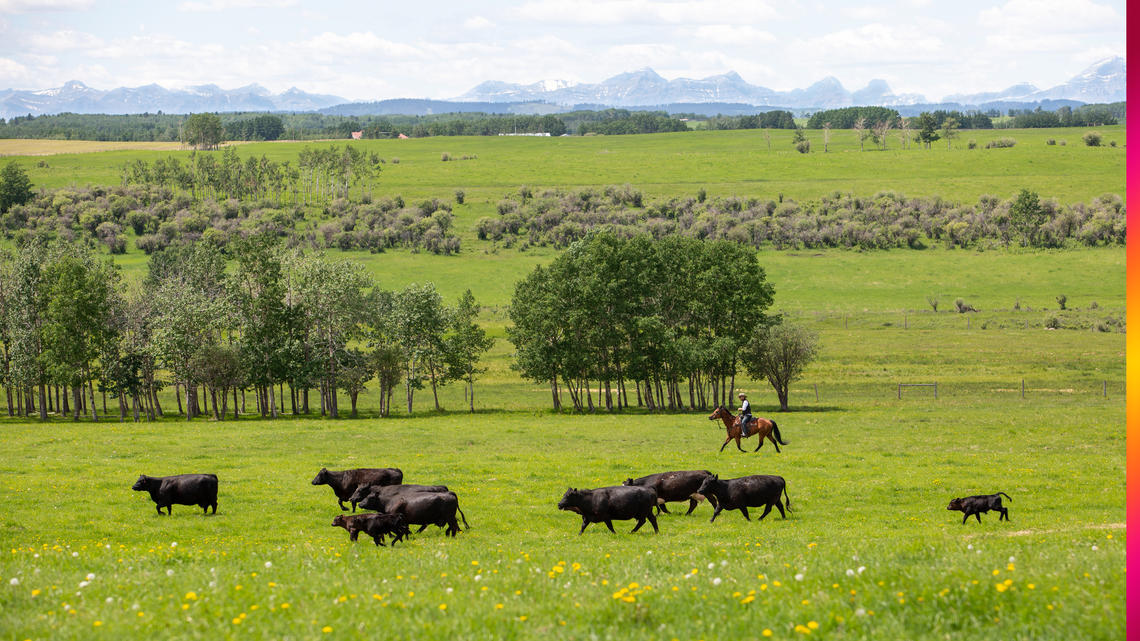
(1061, 300)
(459, 196)
(803, 146)
(1001, 143)
(1051, 141)
(1063, 143)
(445, 156)
(1112, 143)
(973, 144)
(1092, 139)
(1053, 322)
(962, 306)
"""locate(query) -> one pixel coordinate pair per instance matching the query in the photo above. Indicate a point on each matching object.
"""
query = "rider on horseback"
(745, 413)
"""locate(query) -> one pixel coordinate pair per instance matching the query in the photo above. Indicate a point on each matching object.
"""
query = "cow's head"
(322, 477)
(340, 521)
(708, 485)
(141, 484)
(955, 504)
(360, 493)
(372, 502)
(572, 500)
(627, 482)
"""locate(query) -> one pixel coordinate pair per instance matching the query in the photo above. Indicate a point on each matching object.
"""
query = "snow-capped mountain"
(646, 87)
(1103, 81)
(76, 97)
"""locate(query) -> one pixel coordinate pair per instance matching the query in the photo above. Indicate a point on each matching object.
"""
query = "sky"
(379, 49)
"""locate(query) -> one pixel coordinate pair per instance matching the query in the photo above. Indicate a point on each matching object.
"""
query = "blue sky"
(381, 49)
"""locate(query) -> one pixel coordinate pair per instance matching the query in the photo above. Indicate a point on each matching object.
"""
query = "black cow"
(608, 504)
(365, 490)
(745, 492)
(419, 508)
(345, 483)
(387, 492)
(674, 486)
(181, 489)
(975, 505)
(374, 525)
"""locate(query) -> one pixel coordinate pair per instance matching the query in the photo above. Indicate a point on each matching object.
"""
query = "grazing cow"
(181, 489)
(365, 490)
(975, 505)
(345, 483)
(674, 486)
(374, 525)
(745, 492)
(607, 504)
(419, 508)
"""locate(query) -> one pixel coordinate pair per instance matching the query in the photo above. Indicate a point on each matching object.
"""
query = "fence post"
(936, 390)
(900, 391)
(1023, 388)
(1106, 388)
(905, 325)
(816, 386)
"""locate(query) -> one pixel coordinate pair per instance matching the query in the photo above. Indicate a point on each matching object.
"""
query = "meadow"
(868, 552)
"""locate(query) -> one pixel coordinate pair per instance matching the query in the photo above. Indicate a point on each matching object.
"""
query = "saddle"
(745, 423)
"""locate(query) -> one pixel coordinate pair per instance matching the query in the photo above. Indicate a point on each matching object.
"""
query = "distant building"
(402, 137)
(544, 133)
(357, 135)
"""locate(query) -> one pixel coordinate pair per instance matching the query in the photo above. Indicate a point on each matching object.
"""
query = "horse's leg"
(726, 442)
(759, 443)
(738, 442)
(775, 443)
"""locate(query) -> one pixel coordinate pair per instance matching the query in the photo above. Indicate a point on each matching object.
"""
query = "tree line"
(280, 325)
(663, 324)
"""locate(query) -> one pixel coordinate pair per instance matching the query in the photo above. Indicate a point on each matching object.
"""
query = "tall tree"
(15, 186)
(418, 322)
(779, 353)
(949, 129)
(466, 342)
(203, 131)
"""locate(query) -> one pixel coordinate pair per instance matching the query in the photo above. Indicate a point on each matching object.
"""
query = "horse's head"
(718, 413)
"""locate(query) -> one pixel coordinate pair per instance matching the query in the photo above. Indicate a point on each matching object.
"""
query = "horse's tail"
(787, 501)
(1005, 495)
(776, 431)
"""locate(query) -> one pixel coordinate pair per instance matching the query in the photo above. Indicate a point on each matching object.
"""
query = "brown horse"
(763, 427)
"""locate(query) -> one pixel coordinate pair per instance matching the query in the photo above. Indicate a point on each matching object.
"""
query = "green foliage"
(1026, 215)
(779, 353)
(15, 186)
(846, 117)
(926, 129)
(1092, 139)
(1001, 143)
(203, 131)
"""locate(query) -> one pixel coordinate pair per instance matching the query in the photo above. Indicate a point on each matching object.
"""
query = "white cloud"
(1028, 18)
(62, 41)
(29, 6)
(477, 23)
(226, 5)
(352, 45)
(718, 34)
(640, 12)
(871, 44)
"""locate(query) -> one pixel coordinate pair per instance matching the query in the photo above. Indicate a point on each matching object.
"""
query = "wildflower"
(813, 625)
(748, 599)
(326, 629)
(811, 545)
(442, 607)
(498, 606)
(996, 572)
(799, 577)
(90, 576)
(236, 621)
(142, 614)
(170, 573)
(766, 632)
(1001, 587)
(14, 581)
(861, 568)
(522, 617)
(36, 592)
(1031, 586)
(850, 572)
(1009, 567)
(97, 623)
(716, 581)
(803, 629)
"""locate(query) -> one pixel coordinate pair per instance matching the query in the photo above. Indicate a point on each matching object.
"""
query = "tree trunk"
(214, 403)
(189, 396)
(178, 396)
(272, 401)
(91, 392)
(43, 402)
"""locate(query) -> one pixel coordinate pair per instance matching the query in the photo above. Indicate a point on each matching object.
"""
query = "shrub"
(459, 196)
(1093, 305)
(1051, 141)
(1053, 322)
(1001, 143)
(445, 156)
(1061, 300)
(702, 195)
(1063, 143)
(1092, 139)
(803, 146)
(395, 161)
(962, 306)
(933, 302)
(1112, 143)
(972, 144)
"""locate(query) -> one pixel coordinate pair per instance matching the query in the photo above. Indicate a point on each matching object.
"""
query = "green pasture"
(724, 163)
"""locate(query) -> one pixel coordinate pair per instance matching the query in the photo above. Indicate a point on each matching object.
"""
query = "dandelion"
(1009, 567)
(284, 606)
(996, 572)
(236, 620)
(716, 581)
(90, 576)
(766, 632)
(1001, 587)
(748, 599)
(1031, 586)
(442, 607)
(269, 564)
(170, 573)
(142, 614)
(97, 623)
(498, 606)
(861, 568)
(803, 629)
(860, 612)
(326, 629)
(36, 592)
(1095, 548)
(522, 617)
(813, 625)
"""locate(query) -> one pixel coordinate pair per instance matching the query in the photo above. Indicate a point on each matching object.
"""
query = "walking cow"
(181, 489)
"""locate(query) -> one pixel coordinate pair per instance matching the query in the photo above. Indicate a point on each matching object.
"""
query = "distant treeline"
(1083, 116)
(886, 220)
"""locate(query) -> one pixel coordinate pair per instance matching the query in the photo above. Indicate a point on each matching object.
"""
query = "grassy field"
(869, 552)
(725, 163)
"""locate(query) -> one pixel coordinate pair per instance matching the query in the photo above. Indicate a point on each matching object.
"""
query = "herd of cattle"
(398, 505)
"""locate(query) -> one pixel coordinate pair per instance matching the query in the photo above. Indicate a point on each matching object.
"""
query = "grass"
(725, 163)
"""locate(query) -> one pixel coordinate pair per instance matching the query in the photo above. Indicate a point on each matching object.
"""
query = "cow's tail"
(462, 516)
(787, 501)
(1005, 495)
(776, 431)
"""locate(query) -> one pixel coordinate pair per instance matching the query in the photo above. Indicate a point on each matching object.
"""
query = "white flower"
(716, 581)
(36, 555)
(110, 599)
(970, 546)
(860, 612)
(450, 590)
(1011, 559)
(861, 568)
(174, 544)
(799, 577)
(74, 554)
(269, 564)
(723, 563)
(478, 577)
(14, 581)
(83, 584)
(1094, 548)
(90, 576)
(712, 565)
(850, 572)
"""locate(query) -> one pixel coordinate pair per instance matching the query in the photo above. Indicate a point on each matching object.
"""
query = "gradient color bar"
(1132, 367)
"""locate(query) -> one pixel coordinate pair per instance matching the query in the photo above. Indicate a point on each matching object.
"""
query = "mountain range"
(1104, 81)
(76, 97)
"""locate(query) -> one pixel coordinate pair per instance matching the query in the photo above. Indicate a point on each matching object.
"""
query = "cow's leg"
(692, 506)
(353, 534)
(452, 527)
(422, 528)
(610, 525)
(978, 515)
(640, 522)
(159, 508)
(780, 506)
(767, 509)
(170, 509)
(716, 513)
(653, 522)
(965, 516)
(1005, 513)
(353, 505)
(661, 508)
(214, 507)
(341, 504)
(378, 539)
(585, 522)
(744, 511)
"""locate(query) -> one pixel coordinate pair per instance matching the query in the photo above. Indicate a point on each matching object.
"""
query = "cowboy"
(745, 413)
